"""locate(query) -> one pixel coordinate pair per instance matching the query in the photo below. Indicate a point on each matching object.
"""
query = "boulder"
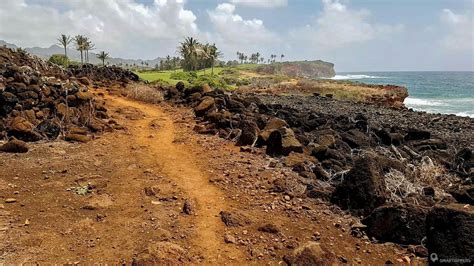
(450, 231)
(272, 125)
(249, 133)
(21, 125)
(282, 142)
(14, 146)
(417, 134)
(180, 86)
(77, 138)
(49, 128)
(310, 253)
(399, 223)
(207, 103)
(363, 189)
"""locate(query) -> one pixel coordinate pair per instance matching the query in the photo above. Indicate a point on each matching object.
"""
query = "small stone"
(229, 239)
(10, 200)
(287, 198)
(27, 222)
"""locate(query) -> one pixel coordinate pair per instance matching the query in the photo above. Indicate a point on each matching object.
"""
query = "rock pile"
(41, 101)
(392, 176)
(106, 75)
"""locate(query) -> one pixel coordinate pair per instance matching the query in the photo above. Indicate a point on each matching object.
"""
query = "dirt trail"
(156, 132)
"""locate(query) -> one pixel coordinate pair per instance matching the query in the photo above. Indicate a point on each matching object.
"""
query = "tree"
(257, 57)
(59, 59)
(64, 41)
(212, 54)
(262, 60)
(281, 57)
(189, 50)
(87, 47)
(80, 41)
(103, 56)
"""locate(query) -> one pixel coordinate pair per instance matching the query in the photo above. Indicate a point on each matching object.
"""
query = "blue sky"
(356, 35)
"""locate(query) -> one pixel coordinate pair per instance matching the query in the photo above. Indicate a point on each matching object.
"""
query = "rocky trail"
(156, 192)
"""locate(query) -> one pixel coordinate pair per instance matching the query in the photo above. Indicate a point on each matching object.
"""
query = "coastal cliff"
(300, 69)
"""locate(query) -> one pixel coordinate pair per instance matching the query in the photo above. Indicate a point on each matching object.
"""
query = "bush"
(59, 59)
(186, 75)
(144, 93)
(214, 82)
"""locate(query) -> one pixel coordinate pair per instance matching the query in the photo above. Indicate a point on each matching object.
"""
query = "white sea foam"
(423, 102)
(466, 114)
(350, 76)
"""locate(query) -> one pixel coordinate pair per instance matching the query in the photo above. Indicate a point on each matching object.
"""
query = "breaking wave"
(350, 76)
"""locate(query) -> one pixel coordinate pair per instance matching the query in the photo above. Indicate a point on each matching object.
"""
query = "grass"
(165, 75)
(144, 93)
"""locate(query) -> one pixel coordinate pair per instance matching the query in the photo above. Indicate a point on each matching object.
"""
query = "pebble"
(10, 200)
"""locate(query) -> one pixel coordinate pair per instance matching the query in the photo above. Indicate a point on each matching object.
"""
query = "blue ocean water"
(433, 92)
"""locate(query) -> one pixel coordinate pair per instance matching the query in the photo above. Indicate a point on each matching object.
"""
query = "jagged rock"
(272, 125)
(49, 128)
(399, 223)
(207, 103)
(14, 146)
(363, 189)
(417, 134)
(249, 133)
(161, 253)
(282, 142)
(269, 228)
(310, 253)
(450, 231)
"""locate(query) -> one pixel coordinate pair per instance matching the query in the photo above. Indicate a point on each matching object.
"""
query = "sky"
(356, 35)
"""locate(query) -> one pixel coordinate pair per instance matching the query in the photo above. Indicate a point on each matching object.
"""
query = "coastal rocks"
(249, 133)
(282, 142)
(14, 146)
(449, 231)
(207, 103)
(399, 223)
(310, 253)
(363, 189)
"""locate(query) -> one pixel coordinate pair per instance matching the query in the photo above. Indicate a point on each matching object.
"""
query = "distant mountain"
(74, 55)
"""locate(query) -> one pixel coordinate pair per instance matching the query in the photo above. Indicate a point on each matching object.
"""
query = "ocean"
(433, 92)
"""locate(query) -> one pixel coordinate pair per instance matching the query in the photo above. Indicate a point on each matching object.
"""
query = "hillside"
(74, 55)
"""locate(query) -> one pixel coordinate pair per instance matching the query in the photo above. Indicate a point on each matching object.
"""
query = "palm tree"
(257, 57)
(80, 41)
(87, 47)
(212, 54)
(262, 60)
(281, 57)
(103, 56)
(64, 41)
(189, 50)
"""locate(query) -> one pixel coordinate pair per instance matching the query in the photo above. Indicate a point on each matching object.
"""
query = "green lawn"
(165, 75)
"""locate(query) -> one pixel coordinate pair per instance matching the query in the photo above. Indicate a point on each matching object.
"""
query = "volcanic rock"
(450, 231)
(310, 253)
(363, 189)
(282, 142)
(14, 146)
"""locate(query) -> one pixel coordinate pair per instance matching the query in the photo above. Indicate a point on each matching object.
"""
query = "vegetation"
(103, 56)
(64, 41)
(59, 59)
(197, 56)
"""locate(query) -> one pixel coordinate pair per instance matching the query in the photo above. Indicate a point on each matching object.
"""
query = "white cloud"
(232, 31)
(261, 3)
(113, 25)
(338, 26)
(459, 31)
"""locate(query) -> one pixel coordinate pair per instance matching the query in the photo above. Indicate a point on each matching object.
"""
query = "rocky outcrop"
(363, 189)
(301, 69)
(449, 232)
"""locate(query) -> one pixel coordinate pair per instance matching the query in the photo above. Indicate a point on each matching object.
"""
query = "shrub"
(214, 82)
(59, 59)
(144, 93)
(186, 75)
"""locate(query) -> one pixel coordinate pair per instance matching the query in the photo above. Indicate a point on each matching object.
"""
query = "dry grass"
(425, 174)
(144, 93)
